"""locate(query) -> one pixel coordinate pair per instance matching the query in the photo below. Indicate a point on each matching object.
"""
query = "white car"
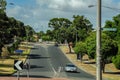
(70, 68)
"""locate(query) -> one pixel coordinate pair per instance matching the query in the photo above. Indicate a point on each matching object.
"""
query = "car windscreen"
(70, 65)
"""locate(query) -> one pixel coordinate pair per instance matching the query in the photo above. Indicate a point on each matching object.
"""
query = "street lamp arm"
(91, 6)
(115, 9)
(11, 3)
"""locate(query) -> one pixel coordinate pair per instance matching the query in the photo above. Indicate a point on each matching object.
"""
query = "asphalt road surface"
(47, 61)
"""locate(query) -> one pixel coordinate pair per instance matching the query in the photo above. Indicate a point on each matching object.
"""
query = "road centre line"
(55, 72)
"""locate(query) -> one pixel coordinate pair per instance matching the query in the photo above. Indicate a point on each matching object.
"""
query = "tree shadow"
(36, 56)
(6, 65)
(112, 73)
(34, 48)
(3, 70)
(35, 66)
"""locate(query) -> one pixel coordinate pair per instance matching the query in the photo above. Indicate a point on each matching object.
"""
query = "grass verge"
(7, 64)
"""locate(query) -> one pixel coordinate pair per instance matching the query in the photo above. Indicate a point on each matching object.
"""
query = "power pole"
(98, 42)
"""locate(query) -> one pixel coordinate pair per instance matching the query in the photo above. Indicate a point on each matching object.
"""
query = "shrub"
(116, 61)
(12, 48)
(80, 48)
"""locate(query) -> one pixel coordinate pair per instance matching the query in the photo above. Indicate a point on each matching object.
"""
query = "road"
(47, 61)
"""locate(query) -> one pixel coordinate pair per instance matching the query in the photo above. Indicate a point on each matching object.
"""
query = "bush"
(80, 48)
(5, 52)
(116, 61)
(12, 48)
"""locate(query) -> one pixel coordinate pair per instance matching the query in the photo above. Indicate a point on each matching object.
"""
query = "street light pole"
(98, 38)
(98, 42)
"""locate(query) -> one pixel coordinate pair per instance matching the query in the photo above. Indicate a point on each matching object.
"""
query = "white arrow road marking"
(18, 65)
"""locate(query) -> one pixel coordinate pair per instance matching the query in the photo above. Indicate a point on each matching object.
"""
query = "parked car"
(70, 67)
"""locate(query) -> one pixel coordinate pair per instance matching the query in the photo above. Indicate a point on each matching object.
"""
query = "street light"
(98, 41)
(98, 36)
(115, 9)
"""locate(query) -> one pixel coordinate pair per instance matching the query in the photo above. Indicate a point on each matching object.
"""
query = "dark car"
(56, 44)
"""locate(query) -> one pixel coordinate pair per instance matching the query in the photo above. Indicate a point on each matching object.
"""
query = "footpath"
(111, 73)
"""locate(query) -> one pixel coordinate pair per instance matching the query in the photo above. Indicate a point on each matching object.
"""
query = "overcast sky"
(37, 13)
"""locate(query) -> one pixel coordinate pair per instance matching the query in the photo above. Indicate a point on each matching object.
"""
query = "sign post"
(18, 75)
(27, 67)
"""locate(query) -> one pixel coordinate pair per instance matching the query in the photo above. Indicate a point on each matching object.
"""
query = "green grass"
(7, 65)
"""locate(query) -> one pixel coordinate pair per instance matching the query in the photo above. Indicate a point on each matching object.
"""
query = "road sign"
(19, 51)
(109, 29)
(18, 65)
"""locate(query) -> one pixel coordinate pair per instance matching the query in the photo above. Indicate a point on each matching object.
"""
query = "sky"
(37, 13)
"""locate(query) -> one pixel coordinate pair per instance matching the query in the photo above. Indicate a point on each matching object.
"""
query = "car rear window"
(70, 65)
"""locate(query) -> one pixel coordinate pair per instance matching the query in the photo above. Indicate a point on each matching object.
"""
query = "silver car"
(70, 68)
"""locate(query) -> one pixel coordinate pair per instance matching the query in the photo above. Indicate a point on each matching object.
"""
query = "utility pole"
(98, 42)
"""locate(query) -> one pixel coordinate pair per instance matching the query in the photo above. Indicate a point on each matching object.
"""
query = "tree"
(115, 23)
(50, 34)
(59, 26)
(110, 24)
(40, 34)
(83, 27)
(80, 49)
(116, 61)
(108, 50)
(57, 23)
(91, 45)
(3, 4)
(71, 34)
(29, 32)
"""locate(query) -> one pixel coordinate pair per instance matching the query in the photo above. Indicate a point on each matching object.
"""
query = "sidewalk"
(111, 72)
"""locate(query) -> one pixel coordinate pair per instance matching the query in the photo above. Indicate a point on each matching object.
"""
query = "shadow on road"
(34, 48)
(36, 56)
(35, 66)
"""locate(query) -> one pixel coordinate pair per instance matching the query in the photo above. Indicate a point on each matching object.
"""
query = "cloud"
(44, 10)
(14, 11)
(65, 5)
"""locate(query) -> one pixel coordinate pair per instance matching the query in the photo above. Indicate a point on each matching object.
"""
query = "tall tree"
(29, 32)
(59, 25)
(115, 23)
(3, 4)
(83, 27)
(108, 50)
